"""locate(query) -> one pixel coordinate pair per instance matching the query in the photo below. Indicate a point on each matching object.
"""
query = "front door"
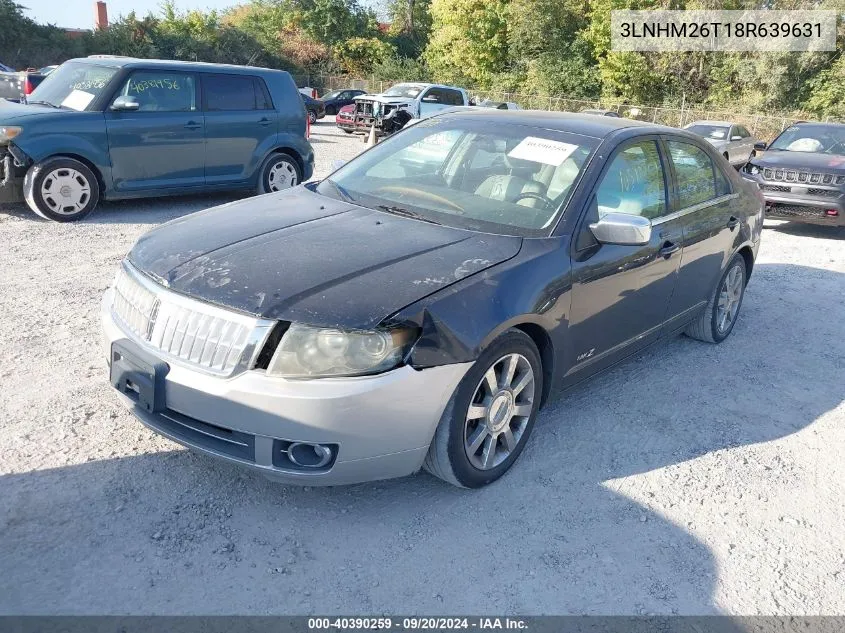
(238, 118)
(704, 199)
(620, 293)
(161, 144)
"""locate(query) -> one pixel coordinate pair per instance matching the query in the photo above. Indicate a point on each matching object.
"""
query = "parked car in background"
(337, 99)
(731, 140)
(345, 119)
(110, 128)
(801, 174)
(391, 110)
(11, 85)
(575, 242)
(316, 109)
(613, 113)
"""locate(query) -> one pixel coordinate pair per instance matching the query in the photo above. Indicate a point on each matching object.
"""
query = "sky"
(79, 14)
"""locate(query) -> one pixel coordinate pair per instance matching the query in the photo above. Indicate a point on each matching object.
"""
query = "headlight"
(751, 169)
(8, 132)
(309, 352)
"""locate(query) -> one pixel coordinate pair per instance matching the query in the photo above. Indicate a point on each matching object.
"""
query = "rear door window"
(697, 178)
(229, 93)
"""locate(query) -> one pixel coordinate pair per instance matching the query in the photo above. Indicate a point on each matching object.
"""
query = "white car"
(732, 140)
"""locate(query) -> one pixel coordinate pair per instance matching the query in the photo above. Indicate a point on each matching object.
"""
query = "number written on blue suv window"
(111, 128)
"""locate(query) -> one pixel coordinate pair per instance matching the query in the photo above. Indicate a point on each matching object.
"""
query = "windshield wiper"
(406, 213)
(46, 103)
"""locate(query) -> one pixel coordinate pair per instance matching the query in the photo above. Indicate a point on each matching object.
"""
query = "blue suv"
(112, 128)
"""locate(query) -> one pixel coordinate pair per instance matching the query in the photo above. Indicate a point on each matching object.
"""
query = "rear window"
(232, 93)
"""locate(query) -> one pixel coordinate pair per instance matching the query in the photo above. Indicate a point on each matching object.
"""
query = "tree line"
(541, 47)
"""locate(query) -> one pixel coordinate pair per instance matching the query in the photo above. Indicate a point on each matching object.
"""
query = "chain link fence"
(762, 126)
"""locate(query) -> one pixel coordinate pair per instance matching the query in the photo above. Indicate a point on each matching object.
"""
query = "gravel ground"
(695, 479)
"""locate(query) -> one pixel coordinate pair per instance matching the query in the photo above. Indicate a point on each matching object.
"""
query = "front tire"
(719, 317)
(61, 189)
(312, 116)
(330, 110)
(278, 172)
(489, 418)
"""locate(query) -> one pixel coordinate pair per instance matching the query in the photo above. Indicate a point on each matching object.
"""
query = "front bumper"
(801, 206)
(381, 425)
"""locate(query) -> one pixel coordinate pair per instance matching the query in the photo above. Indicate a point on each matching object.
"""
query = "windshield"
(822, 139)
(73, 85)
(513, 180)
(712, 132)
(404, 90)
(331, 95)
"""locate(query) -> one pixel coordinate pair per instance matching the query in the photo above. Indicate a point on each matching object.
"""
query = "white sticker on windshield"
(77, 100)
(542, 150)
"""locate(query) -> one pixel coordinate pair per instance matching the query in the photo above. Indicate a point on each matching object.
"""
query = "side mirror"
(621, 228)
(760, 146)
(338, 163)
(736, 137)
(125, 103)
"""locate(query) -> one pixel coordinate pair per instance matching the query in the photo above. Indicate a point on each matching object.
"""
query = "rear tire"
(312, 116)
(715, 324)
(485, 425)
(349, 131)
(278, 172)
(61, 189)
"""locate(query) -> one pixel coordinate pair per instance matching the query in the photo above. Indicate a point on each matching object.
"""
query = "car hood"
(801, 160)
(11, 111)
(715, 142)
(300, 256)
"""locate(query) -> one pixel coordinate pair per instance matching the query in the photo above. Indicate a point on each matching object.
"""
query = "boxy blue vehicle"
(114, 128)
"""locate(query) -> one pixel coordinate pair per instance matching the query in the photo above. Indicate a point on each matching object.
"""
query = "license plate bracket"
(138, 375)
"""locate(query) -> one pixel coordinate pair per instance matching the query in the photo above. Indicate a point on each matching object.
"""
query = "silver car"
(732, 140)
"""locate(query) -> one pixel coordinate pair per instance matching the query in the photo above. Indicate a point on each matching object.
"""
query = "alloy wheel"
(730, 295)
(499, 412)
(65, 191)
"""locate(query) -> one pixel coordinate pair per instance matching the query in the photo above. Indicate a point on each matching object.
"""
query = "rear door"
(703, 201)
(239, 117)
(620, 293)
(161, 144)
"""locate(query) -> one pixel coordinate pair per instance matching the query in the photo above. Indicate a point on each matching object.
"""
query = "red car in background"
(345, 119)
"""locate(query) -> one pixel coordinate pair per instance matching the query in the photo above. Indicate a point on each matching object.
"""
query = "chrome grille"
(793, 175)
(209, 338)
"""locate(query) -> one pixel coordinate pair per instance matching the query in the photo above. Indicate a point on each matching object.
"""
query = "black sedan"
(336, 99)
(416, 308)
(315, 107)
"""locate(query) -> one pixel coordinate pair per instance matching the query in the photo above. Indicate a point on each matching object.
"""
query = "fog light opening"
(307, 455)
(832, 213)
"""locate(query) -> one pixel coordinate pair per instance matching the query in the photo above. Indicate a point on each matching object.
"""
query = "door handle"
(193, 125)
(732, 223)
(668, 249)
(264, 122)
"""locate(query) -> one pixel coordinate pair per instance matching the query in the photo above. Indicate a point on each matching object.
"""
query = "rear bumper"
(380, 426)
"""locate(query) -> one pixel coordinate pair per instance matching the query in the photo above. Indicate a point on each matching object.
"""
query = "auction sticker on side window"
(542, 150)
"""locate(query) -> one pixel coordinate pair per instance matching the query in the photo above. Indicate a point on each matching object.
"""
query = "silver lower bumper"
(382, 424)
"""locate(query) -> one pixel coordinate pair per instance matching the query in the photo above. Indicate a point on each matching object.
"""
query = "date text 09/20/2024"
(416, 623)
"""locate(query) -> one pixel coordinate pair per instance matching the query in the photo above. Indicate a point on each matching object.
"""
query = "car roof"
(585, 124)
(135, 62)
(708, 122)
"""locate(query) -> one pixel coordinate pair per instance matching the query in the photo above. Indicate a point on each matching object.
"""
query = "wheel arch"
(85, 161)
(748, 256)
